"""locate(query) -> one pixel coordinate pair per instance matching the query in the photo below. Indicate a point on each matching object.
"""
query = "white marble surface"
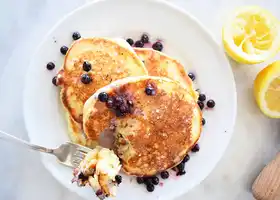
(23, 23)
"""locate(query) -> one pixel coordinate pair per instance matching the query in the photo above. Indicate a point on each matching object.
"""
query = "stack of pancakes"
(161, 126)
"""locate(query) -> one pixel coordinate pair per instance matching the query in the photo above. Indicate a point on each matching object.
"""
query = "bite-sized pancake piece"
(160, 64)
(106, 60)
(154, 121)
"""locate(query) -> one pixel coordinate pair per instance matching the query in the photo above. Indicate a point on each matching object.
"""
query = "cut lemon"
(251, 35)
(267, 90)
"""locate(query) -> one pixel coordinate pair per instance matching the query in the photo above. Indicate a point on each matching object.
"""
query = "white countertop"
(255, 141)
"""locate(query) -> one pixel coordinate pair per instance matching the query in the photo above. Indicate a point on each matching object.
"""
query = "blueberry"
(103, 97)
(86, 66)
(202, 97)
(86, 79)
(63, 50)
(164, 175)
(192, 76)
(50, 66)
(181, 167)
(186, 159)
(140, 180)
(54, 80)
(82, 177)
(150, 187)
(139, 43)
(98, 193)
(147, 180)
(200, 104)
(123, 109)
(110, 103)
(118, 179)
(119, 113)
(150, 91)
(130, 41)
(76, 35)
(119, 101)
(155, 180)
(195, 148)
(203, 121)
(145, 38)
(211, 103)
(180, 173)
(157, 46)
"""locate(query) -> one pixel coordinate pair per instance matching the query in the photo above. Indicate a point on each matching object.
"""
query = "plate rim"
(205, 31)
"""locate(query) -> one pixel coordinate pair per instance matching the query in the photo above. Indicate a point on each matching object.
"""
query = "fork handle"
(15, 140)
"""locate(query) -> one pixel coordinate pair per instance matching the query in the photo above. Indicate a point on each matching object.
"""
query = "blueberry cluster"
(151, 182)
(180, 169)
(144, 40)
(118, 103)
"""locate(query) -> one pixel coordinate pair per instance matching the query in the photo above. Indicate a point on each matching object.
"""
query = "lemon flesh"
(251, 35)
(267, 90)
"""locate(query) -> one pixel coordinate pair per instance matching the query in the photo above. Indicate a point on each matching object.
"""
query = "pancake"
(110, 60)
(152, 132)
(160, 64)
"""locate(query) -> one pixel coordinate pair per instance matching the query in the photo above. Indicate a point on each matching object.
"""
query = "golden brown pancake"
(110, 60)
(160, 64)
(156, 131)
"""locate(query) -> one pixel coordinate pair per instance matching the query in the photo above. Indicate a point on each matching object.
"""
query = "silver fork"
(68, 154)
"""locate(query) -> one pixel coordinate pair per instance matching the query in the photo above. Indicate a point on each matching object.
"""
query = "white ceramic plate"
(183, 37)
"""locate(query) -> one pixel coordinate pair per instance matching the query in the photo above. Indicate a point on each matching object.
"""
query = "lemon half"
(251, 35)
(267, 90)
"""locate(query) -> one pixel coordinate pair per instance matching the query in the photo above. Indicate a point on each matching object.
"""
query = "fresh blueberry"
(155, 180)
(63, 50)
(195, 148)
(150, 187)
(76, 35)
(181, 167)
(150, 91)
(50, 66)
(54, 80)
(119, 101)
(119, 113)
(110, 103)
(157, 46)
(148, 180)
(139, 44)
(192, 76)
(211, 103)
(86, 66)
(200, 104)
(103, 97)
(145, 38)
(164, 175)
(118, 179)
(203, 122)
(130, 41)
(202, 97)
(86, 79)
(186, 159)
(180, 173)
(140, 180)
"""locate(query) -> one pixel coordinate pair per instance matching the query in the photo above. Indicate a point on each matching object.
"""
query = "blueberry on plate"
(76, 35)
(145, 38)
(150, 187)
(164, 175)
(139, 44)
(196, 148)
(211, 103)
(202, 97)
(130, 41)
(63, 50)
(157, 46)
(50, 66)
(192, 76)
